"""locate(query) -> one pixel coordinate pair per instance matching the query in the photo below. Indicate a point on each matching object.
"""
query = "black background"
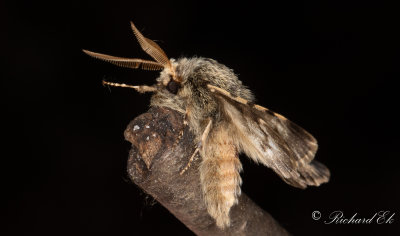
(330, 67)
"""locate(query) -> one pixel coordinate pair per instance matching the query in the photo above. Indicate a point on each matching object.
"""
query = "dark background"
(330, 67)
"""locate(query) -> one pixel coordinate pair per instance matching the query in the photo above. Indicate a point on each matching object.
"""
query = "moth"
(221, 113)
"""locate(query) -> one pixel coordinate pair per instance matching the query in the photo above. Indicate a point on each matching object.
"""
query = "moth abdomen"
(219, 174)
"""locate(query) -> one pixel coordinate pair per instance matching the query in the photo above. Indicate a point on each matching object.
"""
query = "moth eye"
(173, 87)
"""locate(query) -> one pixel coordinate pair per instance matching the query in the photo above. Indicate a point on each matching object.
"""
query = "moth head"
(168, 79)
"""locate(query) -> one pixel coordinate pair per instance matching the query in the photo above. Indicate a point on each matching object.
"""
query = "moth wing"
(274, 141)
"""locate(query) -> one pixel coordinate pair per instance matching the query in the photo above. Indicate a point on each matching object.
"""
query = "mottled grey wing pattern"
(274, 141)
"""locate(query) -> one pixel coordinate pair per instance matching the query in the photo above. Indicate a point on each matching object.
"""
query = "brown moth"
(220, 112)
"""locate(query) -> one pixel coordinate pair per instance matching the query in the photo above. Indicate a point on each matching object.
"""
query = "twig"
(154, 164)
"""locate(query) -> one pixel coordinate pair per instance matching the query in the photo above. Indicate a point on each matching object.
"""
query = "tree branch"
(154, 164)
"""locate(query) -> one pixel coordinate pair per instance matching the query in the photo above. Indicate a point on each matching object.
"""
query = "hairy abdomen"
(219, 173)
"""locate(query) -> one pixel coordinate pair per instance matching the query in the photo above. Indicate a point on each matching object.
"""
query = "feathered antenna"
(133, 63)
(149, 46)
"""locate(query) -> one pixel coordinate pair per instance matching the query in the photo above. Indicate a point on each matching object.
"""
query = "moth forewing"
(274, 141)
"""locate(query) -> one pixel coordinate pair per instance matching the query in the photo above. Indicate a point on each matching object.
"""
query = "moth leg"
(139, 88)
(199, 146)
(186, 117)
(185, 123)
(219, 174)
(225, 93)
(190, 161)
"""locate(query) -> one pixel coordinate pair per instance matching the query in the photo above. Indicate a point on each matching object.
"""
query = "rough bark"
(154, 164)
